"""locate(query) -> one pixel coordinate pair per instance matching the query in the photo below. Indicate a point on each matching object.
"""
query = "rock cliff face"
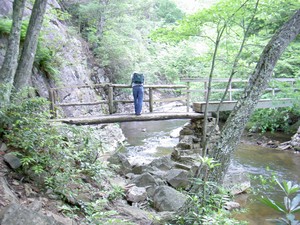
(71, 59)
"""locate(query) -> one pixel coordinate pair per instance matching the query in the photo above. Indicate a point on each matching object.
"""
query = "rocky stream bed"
(155, 184)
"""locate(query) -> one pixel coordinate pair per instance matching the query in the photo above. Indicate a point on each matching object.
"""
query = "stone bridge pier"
(189, 148)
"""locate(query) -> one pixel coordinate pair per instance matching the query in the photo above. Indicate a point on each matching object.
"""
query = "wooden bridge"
(194, 89)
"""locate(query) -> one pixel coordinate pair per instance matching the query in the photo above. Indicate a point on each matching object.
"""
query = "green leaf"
(274, 205)
(295, 204)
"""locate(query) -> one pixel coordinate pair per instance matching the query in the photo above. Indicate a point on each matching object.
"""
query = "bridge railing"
(235, 86)
(109, 100)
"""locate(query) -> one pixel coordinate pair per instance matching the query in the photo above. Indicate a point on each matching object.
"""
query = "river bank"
(256, 155)
(142, 140)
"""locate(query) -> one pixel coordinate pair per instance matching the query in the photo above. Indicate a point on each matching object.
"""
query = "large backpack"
(138, 78)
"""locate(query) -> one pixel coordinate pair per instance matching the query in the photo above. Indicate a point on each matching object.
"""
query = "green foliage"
(168, 10)
(62, 156)
(117, 192)
(56, 150)
(206, 205)
(5, 26)
(290, 205)
(273, 119)
(43, 57)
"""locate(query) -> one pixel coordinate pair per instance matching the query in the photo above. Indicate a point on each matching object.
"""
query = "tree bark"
(25, 65)
(258, 82)
(9, 66)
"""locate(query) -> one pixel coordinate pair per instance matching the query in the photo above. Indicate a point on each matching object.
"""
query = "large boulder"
(162, 163)
(12, 160)
(16, 214)
(6, 195)
(178, 178)
(136, 194)
(168, 199)
(145, 180)
(122, 164)
(237, 182)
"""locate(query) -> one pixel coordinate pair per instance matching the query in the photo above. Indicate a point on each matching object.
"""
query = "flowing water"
(147, 140)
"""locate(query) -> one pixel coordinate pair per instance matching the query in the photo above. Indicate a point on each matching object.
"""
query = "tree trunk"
(10, 63)
(258, 82)
(25, 65)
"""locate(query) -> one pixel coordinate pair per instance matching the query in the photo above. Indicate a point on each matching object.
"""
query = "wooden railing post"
(151, 99)
(230, 91)
(205, 90)
(188, 96)
(110, 99)
(52, 103)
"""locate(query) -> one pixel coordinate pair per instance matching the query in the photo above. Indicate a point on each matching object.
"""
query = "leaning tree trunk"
(258, 82)
(9, 66)
(25, 65)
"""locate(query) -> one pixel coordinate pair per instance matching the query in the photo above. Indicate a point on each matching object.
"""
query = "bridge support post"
(52, 103)
(151, 99)
(205, 90)
(110, 99)
(188, 96)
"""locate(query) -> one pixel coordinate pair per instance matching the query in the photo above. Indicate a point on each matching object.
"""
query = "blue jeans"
(138, 95)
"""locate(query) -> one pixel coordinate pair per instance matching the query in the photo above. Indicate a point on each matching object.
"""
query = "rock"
(186, 131)
(162, 163)
(61, 219)
(140, 169)
(136, 194)
(178, 178)
(168, 199)
(3, 147)
(135, 214)
(175, 133)
(144, 180)
(36, 205)
(16, 214)
(186, 142)
(122, 162)
(237, 182)
(13, 161)
(6, 195)
(231, 206)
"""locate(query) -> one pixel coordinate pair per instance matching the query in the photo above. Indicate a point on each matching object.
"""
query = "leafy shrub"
(290, 205)
(273, 119)
(206, 205)
(59, 152)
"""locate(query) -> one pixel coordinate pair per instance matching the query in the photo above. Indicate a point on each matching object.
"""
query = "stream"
(148, 140)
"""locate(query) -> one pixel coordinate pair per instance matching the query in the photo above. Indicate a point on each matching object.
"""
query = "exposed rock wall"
(71, 59)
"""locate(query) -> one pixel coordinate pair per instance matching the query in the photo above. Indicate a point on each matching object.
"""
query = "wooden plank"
(201, 79)
(81, 103)
(171, 99)
(129, 117)
(229, 105)
(172, 86)
(81, 86)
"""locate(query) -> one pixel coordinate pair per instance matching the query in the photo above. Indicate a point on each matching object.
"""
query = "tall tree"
(258, 82)
(24, 69)
(194, 26)
(9, 66)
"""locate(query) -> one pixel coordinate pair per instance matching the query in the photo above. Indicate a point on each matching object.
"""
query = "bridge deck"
(129, 117)
(229, 105)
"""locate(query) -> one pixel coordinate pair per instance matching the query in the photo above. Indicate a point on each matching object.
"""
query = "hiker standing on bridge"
(137, 83)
